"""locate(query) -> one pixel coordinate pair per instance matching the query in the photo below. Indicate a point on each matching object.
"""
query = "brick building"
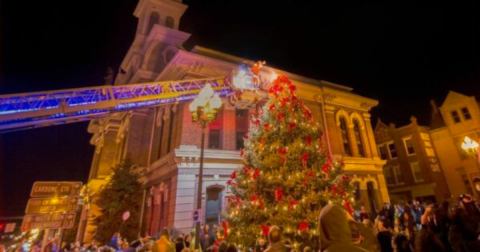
(165, 146)
(412, 170)
(458, 117)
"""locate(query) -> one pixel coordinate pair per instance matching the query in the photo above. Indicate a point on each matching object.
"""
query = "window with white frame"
(382, 149)
(466, 113)
(398, 174)
(393, 175)
(389, 177)
(392, 150)
(408, 142)
(455, 116)
(417, 172)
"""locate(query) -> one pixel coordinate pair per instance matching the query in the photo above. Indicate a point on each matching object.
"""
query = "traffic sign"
(51, 189)
(44, 221)
(196, 215)
(51, 205)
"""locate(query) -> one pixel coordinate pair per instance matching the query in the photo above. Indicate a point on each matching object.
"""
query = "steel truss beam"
(38, 109)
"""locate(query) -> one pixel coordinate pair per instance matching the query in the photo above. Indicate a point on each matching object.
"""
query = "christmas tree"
(287, 175)
(121, 193)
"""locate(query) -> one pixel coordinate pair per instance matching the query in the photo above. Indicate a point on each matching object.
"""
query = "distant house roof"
(436, 119)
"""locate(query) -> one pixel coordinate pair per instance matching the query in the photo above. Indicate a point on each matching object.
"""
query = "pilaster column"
(371, 137)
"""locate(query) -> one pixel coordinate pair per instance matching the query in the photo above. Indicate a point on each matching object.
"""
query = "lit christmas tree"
(287, 175)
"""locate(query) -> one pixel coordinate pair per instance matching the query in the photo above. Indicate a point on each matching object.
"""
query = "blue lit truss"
(29, 110)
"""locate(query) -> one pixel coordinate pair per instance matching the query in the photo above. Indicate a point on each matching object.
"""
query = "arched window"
(345, 140)
(358, 138)
(154, 18)
(169, 22)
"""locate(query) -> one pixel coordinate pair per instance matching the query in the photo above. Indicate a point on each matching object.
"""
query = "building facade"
(412, 171)
(458, 117)
(165, 145)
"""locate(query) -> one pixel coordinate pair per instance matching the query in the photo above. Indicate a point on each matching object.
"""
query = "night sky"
(403, 55)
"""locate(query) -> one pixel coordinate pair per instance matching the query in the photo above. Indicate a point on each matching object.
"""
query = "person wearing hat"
(163, 244)
(335, 234)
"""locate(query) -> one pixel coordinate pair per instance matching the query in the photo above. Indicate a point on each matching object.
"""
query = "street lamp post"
(471, 147)
(204, 109)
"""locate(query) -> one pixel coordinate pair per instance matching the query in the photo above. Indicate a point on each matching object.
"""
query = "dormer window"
(455, 116)
(466, 114)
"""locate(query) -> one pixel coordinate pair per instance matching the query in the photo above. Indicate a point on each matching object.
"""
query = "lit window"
(393, 151)
(345, 139)
(417, 172)
(466, 114)
(430, 152)
(383, 152)
(214, 139)
(358, 138)
(455, 116)
(409, 146)
(425, 136)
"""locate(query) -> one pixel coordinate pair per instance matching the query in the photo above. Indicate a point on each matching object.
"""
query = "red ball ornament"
(280, 116)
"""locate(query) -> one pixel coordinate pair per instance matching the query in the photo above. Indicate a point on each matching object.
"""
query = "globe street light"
(471, 147)
(204, 109)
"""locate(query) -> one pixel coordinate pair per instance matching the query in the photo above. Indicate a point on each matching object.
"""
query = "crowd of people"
(415, 226)
(399, 227)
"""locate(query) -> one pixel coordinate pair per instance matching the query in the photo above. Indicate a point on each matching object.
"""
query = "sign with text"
(50, 189)
(44, 221)
(51, 205)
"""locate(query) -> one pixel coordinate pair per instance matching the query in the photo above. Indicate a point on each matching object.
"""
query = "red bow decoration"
(303, 226)
(309, 175)
(347, 206)
(284, 101)
(326, 166)
(278, 194)
(282, 151)
(293, 203)
(304, 160)
(257, 198)
(241, 153)
(256, 173)
(265, 230)
(308, 140)
(247, 170)
(256, 122)
(334, 191)
(266, 127)
(246, 136)
(291, 126)
(280, 116)
(292, 88)
(345, 178)
(272, 107)
(234, 175)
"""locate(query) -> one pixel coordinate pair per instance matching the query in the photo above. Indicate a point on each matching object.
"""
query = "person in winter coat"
(384, 235)
(335, 234)
(163, 244)
(275, 241)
